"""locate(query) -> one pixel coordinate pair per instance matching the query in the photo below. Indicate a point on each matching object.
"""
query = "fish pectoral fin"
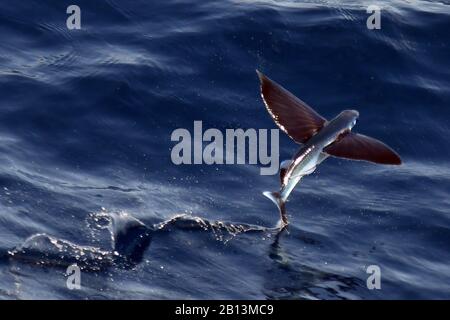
(360, 147)
(293, 116)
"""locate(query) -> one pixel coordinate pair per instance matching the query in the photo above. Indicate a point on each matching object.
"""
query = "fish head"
(349, 118)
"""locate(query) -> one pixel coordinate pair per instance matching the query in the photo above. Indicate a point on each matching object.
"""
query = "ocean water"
(86, 176)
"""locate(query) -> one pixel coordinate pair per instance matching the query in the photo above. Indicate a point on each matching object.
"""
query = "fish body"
(319, 139)
(311, 154)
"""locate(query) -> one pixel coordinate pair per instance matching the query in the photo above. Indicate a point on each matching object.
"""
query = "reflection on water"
(292, 280)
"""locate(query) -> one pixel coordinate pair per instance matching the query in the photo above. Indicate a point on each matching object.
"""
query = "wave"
(130, 239)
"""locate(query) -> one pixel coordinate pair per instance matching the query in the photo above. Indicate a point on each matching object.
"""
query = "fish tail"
(276, 198)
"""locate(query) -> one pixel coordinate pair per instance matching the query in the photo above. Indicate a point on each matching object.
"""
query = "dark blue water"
(85, 123)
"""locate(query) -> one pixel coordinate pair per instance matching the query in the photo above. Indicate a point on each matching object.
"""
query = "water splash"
(129, 237)
(222, 231)
(45, 250)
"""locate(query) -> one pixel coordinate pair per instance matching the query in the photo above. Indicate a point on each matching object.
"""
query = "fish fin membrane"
(360, 147)
(275, 197)
(293, 116)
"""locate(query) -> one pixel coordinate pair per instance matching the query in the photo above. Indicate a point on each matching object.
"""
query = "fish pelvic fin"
(275, 197)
